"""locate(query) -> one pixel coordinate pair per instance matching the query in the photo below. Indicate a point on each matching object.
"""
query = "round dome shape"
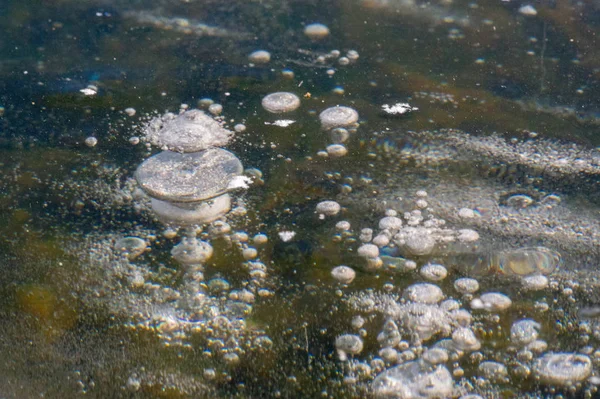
(198, 176)
(190, 131)
(280, 102)
(190, 214)
(338, 117)
(316, 31)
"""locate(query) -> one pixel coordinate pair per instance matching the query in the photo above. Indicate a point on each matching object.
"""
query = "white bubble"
(215, 109)
(239, 128)
(528, 10)
(390, 223)
(352, 55)
(467, 235)
(466, 213)
(419, 242)
(336, 150)
(343, 274)
(286, 236)
(535, 283)
(348, 344)
(464, 339)
(368, 251)
(259, 57)
(343, 225)
(423, 293)
(381, 240)
(328, 208)
(366, 235)
(316, 31)
(434, 272)
(435, 356)
(91, 141)
(525, 331)
(562, 368)
(249, 253)
(281, 102)
(338, 116)
(492, 302)
(205, 102)
(414, 380)
(466, 285)
(130, 111)
(190, 131)
(260, 239)
(343, 61)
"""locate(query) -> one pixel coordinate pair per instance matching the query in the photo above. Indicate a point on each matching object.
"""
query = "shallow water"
(503, 136)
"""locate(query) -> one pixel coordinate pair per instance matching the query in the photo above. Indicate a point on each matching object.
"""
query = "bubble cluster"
(414, 380)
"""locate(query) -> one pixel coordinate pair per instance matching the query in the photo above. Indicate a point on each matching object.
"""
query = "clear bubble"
(189, 214)
(493, 371)
(193, 177)
(328, 208)
(131, 246)
(519, 201)
(526, 261)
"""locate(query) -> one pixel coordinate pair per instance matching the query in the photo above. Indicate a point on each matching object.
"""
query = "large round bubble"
(186, 214)
(198, 176)
(190, 131)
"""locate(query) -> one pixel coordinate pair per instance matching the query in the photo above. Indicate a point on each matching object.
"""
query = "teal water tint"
(505, 142)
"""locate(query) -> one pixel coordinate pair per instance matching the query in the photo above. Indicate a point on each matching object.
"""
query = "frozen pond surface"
(333, 199)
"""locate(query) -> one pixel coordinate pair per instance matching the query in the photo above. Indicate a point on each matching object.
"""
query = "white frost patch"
(398, 108)
(239, 182)
(89, 91)
(286, 235)
(281, 122)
